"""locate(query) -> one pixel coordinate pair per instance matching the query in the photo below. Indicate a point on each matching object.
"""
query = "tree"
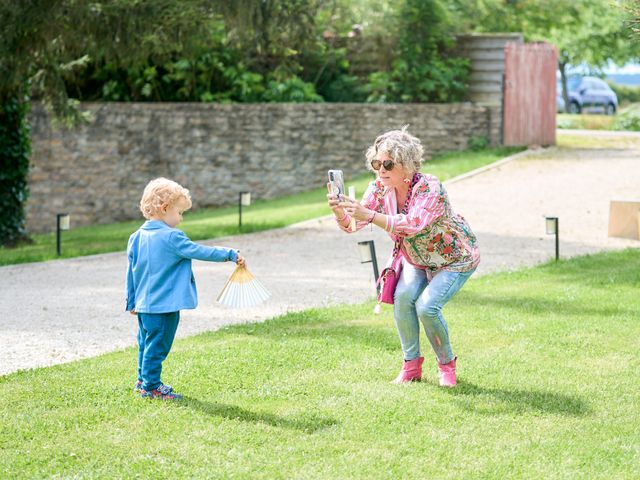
(595, 34)
(584, 31)
(43, 40)
(634, 17)
(272, 32)
(424, 68)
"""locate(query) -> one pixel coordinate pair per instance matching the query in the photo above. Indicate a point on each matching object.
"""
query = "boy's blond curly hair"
(162, 191)
(402, 147)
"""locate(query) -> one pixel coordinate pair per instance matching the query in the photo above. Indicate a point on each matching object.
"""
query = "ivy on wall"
(15, 149)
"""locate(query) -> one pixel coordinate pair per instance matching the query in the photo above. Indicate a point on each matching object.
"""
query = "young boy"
(160, 282)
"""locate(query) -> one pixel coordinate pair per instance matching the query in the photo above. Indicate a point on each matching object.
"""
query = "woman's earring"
(406, 180)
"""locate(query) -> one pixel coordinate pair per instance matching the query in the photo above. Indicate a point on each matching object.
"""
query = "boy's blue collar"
(154, 224)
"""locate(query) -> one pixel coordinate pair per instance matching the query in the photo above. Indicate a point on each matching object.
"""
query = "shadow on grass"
(307, 424)
(534, 304)
(496, 401)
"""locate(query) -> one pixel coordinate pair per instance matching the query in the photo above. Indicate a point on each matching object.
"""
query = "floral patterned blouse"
(433, 236)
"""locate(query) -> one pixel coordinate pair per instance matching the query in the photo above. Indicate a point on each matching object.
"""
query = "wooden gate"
(529, 109)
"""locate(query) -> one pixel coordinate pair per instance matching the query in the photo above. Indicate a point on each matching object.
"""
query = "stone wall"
(97, 172)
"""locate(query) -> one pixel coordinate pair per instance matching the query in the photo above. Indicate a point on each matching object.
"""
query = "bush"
(626, 94)
(291, 89)
(328, 68)
(628, 120)
(15, 148)
(263, 63)
(566, 124)
(477, 143)
(425, 69)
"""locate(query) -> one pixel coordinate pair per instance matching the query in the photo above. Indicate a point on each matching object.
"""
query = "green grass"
(213, 223)
(584, 121)
(593, 142)
(548, 371)
(590, 121)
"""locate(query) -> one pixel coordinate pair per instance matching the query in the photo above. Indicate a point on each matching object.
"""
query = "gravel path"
(58, 311)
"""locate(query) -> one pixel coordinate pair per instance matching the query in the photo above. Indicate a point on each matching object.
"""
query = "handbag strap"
(405, 209)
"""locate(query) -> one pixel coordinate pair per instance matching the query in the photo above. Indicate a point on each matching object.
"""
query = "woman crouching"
(435, 249)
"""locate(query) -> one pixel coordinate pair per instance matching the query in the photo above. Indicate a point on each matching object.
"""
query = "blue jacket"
(159, 276)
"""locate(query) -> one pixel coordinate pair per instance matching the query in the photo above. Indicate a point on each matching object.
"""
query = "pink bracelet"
(372, 217)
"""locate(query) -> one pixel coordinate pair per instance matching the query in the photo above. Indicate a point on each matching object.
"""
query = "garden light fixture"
(244, 200)
(551, 226)
(62, 223)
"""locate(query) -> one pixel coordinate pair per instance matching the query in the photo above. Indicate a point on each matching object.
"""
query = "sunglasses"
(387, 164)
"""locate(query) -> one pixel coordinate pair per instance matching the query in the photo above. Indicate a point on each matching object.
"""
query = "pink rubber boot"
(448, 373)
(411, 371)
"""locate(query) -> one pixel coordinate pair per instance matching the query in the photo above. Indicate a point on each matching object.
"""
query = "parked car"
(587, 94)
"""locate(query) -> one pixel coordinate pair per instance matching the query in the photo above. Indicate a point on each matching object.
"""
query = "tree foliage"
(42, 41)
(59, 51)
(424, 69)
(633, 10)
(272, 32)
(217, 69)
(46, 40)
(588, 32)
(300, 50)
(14, 167)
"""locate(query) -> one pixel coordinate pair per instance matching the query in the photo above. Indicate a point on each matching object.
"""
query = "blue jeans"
(156, 332)
(418, 300)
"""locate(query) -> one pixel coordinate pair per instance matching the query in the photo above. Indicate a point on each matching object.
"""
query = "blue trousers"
(420, 300)
(156, 332)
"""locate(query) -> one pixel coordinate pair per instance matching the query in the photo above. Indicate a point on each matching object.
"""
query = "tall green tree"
(272, 32)
(634, 17)
(41, 41)
(425, 68)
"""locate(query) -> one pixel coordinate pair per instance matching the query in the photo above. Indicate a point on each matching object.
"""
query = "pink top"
(434, 237)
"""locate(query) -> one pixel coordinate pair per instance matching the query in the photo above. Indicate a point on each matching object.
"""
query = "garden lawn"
(584, 121)
(579, 141)
(219, 222)
(548, 371)
(588, 121)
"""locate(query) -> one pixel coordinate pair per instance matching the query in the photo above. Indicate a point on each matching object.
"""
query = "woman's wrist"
(340, 216)
(372, 216)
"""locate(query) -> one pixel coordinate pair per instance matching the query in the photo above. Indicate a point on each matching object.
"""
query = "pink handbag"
(389, 277)
(389, 280)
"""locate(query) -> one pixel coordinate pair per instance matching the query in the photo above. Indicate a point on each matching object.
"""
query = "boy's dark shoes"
(163, 392)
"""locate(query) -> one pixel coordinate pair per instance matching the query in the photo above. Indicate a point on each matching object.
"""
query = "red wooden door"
(529, 108)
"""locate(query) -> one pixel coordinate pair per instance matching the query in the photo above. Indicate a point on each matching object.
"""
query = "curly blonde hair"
(402, 147)
(162, 191)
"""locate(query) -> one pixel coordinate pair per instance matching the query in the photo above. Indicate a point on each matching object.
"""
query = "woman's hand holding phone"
(334, 202)
(335, 186)
(353, 208)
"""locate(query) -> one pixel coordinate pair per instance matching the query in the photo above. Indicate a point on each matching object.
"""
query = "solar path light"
(62, 223)
(551, 227)
(244, 200)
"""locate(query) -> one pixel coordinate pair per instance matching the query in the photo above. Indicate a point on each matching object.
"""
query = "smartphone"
(337, 183)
